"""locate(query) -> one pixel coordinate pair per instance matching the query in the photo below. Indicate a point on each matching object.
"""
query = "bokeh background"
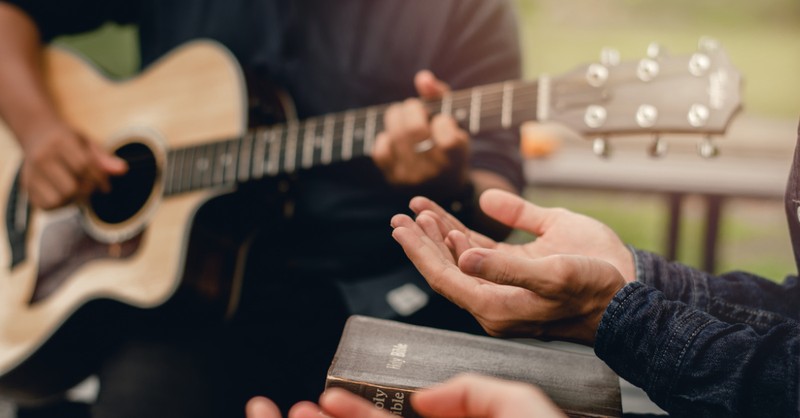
(763, 41)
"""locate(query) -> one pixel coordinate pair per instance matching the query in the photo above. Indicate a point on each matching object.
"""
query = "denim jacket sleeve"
(691, 362)
(732, 297)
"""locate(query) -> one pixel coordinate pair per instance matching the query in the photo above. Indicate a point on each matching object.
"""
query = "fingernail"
(471, 260)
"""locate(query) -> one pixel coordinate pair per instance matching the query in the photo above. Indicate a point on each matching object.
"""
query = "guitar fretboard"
(336, 137)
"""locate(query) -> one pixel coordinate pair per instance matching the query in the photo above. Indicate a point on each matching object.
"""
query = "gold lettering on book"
(396, 356)
(395, 403)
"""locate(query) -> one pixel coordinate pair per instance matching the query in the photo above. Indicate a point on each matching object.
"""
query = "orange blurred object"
(538, 141)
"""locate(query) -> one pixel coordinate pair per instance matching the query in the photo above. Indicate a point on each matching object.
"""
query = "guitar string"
(490, 95)
(187, 173)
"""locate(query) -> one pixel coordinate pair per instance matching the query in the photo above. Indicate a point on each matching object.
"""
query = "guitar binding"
(18, 213)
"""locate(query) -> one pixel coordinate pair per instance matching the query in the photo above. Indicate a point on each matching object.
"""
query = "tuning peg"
(601, 148)
(707, 149)
(655, 51)
(648, 69)
(609, 57)
(658, 148)
(707, 44)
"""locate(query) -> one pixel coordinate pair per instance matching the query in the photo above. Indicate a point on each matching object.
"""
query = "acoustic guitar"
(182, 125)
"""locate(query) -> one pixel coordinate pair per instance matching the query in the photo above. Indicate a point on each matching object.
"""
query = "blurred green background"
(762, 39)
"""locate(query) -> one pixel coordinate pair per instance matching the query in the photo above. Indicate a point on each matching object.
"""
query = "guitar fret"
(290, 153)
(208, 155)
(169, 180)
(508, 103)
(475, 112)
(188, 161)
(200, 165)
(219, 168)
(369, 135)
(460, 105)
(224, 162)
(261, 137)
(245, 157)
(347, 144)
(309, 142)
(275, 135)
(327, 137)
(447, 104)
(233, 152)
(543, 99)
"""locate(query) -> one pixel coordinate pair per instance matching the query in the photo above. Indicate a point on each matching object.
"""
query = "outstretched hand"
(556, 286)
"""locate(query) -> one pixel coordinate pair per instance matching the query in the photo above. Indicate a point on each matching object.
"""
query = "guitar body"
(57, 266)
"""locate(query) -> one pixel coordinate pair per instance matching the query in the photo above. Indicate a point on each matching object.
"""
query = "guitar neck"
(336, 137)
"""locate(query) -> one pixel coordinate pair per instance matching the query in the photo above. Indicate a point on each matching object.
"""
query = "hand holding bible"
(461, 396)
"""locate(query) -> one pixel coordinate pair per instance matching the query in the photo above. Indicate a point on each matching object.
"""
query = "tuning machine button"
(656, 50)
(698, 115)
(595, 116)
(707, 149)
(707, 44)
(646, 116)
(596, 75)
(601, 148)
(699, 64)
(609, 57)
(648, 69)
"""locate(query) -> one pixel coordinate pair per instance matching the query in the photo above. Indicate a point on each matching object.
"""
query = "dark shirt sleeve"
(54, 18)
(484, 48)
(693, 364)
(735, 297)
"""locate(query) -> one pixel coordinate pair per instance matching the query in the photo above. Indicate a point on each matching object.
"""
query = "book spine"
(391, 399)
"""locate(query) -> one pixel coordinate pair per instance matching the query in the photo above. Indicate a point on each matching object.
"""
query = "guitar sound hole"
(129, 192)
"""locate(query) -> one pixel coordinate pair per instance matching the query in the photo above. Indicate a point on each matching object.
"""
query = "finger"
(449, 222)
(414, 123)
(481, 396)
(448, 135)
(340, 403)
(442, 223)
(109, 163)
(437, 269)
(514, 211)
(544, 276)
(458, 243)
(432, 240)
(74, 154)
(382, 152)
(82, 159)
(419, 204)
(261, 407)
(103, 164)
(305, 409)
(60, 179)
(431, 228)
(428, 86)
(44, 195)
